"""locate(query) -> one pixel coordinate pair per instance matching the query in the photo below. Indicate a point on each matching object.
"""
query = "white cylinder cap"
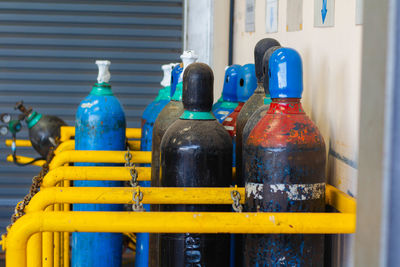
(188, 57)
(104, 73)
(166, 81)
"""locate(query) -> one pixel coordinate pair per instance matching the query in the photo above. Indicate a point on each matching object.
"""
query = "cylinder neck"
(267, 99)
(178, 93)
(197, 115)
(101, 89)
(259, 89)
(33, 118)
(286, 106)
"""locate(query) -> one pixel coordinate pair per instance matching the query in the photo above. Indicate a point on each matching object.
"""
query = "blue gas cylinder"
(229, 99)
(154, 108)
(176, 74)
(284, 168)
(99, 125)
(246, 85)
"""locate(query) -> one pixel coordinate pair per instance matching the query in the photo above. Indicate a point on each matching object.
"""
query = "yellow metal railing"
(326, 222)
(170, 222)
(68, 132)
(72, 156)
(48, 211)
(64, 173)
(67, 145)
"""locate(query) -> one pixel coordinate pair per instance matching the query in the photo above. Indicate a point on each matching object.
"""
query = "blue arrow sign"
(324, 11)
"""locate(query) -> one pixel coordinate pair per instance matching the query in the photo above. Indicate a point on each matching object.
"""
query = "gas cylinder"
(44, 130)
(99, 125)
(259, 113)
(170, 113)
(284, 163)
(246, 84)
(255, 101)
(154, 108)
(196, 140)
(149, 117)
(176, 73)
(229, 97)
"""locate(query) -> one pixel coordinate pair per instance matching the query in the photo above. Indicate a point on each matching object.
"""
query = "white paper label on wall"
(250, 16)
(324, 13)
(271, 16)
(359, 12)
(294, 16)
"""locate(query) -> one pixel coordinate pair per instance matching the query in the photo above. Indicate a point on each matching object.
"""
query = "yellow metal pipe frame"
(71, 156)
(65, 173)
(121, 195)
(117, 195)
(67, 145)
(98, 157)
(170, 222)
(162, 195)
(124, 195)
(67, 132)
(19, 143)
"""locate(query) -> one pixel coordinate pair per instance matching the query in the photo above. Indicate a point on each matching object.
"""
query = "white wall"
(332, 73)
(207, 33)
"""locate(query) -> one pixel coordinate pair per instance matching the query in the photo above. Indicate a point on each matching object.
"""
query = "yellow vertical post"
(47, 251)
(67, 183)
(34, 252)
(56, 242)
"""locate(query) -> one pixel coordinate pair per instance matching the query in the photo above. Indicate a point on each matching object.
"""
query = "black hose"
(14, 155)
(27, 163)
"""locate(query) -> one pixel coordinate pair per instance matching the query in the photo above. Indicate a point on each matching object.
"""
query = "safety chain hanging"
(137, 198)
(128, 157)
(138, 195)
(35, 187)
(235, 195)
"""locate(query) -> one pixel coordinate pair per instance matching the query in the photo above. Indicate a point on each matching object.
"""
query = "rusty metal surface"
(284, 161)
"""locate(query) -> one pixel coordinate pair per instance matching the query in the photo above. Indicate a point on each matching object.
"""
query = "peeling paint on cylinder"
(284, 161)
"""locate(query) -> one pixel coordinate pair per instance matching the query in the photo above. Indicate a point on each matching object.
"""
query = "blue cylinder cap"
(246, 83)
(230, 83)
(176, 72)
(285, 71)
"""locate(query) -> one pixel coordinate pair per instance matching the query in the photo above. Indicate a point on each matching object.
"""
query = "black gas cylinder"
(262, 110)
(171, 112)
(196, 151)
(284, 168)
(44, 130)
(255, 101)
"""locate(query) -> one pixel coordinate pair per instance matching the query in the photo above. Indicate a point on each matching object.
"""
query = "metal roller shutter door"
(47, 54)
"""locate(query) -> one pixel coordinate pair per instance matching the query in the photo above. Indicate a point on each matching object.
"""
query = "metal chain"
(137, 198)
(128, 157)
(35, 187)
(235, 195)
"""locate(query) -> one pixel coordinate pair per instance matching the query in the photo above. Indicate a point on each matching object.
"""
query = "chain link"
(128, 157)
(235, 195)
(35, 187)
(137, 198)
